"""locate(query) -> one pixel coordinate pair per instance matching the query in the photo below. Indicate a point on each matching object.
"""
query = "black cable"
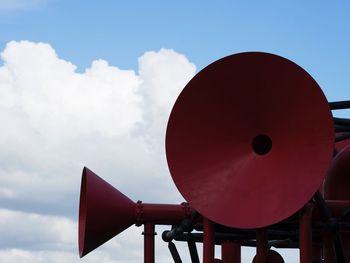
(342, 128)
(341, 121)
(174, 253)
(339, 105)
(192, 248)
(338, 247)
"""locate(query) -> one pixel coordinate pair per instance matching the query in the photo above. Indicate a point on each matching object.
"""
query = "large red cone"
(249, 140)
(104, 212)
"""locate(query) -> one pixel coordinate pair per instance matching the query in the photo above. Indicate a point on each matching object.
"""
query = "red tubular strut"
(161, 214)
(148, 249)
(305, 234)
(231, 251)
(208, 241)
(262, 248)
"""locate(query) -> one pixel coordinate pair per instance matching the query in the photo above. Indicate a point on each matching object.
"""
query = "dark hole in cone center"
(262, 144)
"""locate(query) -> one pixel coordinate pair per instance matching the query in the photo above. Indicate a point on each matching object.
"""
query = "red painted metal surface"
(230, 251)
(208, 241)
(105, 212)
(249, 140)
(262, 248)
(148, 249)
(305, 234)
(161, 214)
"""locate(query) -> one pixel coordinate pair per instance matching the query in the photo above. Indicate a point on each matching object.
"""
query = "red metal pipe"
(161, 214)
(208, 241)
(305, 234)
(148, 248)
(230, 251)
(262, 247)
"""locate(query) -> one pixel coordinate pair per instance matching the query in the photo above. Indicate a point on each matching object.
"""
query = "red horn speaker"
(249, 140)
(104, 212)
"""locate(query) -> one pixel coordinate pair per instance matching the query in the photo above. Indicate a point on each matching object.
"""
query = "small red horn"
(103, 213)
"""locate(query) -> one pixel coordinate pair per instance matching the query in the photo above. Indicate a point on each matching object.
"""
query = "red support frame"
(305, 234)
(230, 251)
(148, 249)
(208, 241)
(262, 247)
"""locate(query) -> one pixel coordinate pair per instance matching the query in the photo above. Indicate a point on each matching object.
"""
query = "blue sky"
(309, 32)
(315, 34)
(147, 51)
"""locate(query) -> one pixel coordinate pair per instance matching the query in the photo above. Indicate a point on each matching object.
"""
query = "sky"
(92, 84)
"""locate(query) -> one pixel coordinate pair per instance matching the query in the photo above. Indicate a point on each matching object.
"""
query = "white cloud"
(56, 120)
(25, 256)
(164, 74)
(35, 231)
(31, 237)
(54, 97)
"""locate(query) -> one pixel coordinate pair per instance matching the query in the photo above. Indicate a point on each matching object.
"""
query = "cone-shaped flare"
(104, 212)
(249, 140)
